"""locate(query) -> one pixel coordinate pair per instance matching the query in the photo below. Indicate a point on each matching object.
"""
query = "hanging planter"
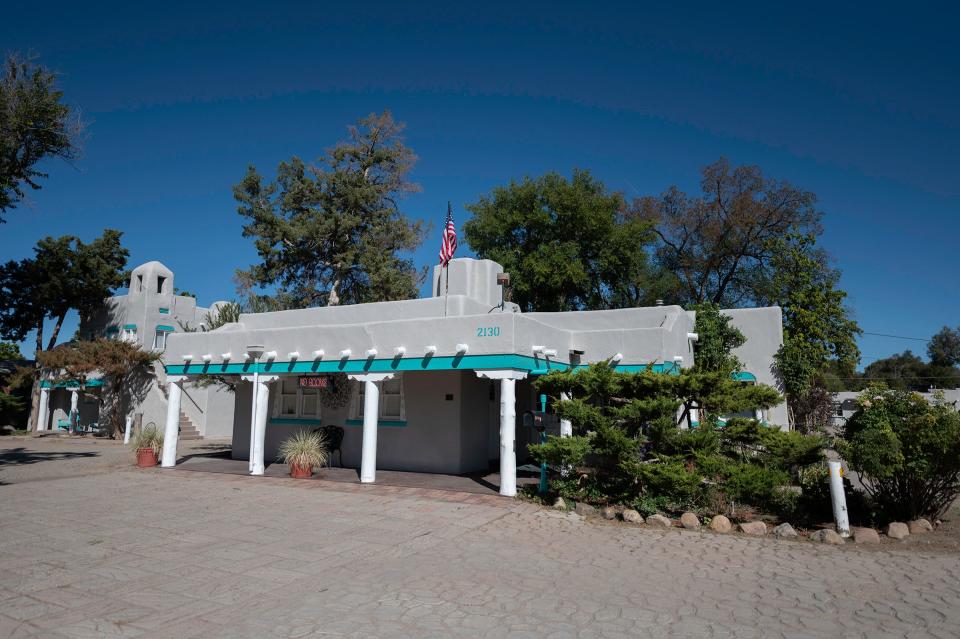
(336, 394)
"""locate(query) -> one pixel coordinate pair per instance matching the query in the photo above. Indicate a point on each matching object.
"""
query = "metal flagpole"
(446, 289)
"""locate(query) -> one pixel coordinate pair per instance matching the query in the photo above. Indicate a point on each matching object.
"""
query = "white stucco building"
(435, 384)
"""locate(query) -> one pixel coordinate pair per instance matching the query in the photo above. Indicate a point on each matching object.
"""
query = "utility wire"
(916, 339)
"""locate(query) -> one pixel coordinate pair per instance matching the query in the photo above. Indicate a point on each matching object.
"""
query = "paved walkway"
(162, 553)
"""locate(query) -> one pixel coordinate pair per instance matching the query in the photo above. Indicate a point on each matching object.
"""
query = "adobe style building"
(431, 385)
(147, 315)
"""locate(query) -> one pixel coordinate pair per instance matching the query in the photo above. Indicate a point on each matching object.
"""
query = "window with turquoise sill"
(293, 402)
(391, 400)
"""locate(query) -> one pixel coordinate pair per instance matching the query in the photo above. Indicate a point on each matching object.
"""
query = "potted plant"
(148, 443)
(302, 452)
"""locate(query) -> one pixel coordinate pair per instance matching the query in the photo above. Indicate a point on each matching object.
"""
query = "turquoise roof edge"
(91, 383)
(466, 362)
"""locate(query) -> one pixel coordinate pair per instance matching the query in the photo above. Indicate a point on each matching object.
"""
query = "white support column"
(74, 402)
(171, 431)
(43, 411)
(508, 427)
(259, 422)
(371, 411)
(566, 428)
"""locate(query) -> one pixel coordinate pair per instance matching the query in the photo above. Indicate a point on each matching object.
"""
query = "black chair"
(333, 435)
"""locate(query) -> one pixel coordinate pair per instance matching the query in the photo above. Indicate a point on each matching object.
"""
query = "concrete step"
(187, 429)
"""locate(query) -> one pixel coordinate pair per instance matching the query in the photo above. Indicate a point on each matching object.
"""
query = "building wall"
(763, 328)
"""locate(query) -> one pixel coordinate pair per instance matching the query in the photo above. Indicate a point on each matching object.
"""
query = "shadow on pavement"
(20, 456)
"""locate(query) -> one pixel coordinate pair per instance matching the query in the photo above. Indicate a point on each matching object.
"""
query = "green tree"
(907, 371)
(9, 351)
(64, 274)
(818, 332)
(944, 347)
(34, 124)
(907, 451)
(566, 243)
(716, 339)
(334, 233)
(719, 245)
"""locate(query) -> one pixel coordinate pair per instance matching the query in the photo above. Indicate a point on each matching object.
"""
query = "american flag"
(449, 245)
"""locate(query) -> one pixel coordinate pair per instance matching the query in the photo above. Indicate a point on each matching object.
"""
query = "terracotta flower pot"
(146, 457)
(298, 471)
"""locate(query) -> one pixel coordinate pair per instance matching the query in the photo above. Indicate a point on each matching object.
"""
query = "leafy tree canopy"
(9, 351)
(907, 371)
(34, 124)
(719, 244)
(334, 233)
(566, 243)
(944, 347)
(717, 338)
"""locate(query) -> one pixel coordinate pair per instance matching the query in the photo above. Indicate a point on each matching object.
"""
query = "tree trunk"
(35, 391)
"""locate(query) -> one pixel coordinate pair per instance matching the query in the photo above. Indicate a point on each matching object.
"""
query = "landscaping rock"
(632, 516)
(560, 504)
(784, 531)
(865, 536)
(659, 521)
(690, 521)
(753, 528)
(608, 512)
(898, 530)
(920, 526)
(585, 510)
(720, 524)
(827, 536)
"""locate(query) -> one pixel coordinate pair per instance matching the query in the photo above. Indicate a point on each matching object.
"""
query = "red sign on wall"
(313, 381)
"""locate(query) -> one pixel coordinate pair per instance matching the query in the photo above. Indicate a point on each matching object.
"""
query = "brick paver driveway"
(178, 554)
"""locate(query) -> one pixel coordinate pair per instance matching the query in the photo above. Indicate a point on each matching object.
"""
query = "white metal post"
(566, 428)
(839, 499)
(262, 389)
(126, 430)
(43, 411)
(508, 428)
(371, 410)
(171, 431)
(253, 416)
(74, 402)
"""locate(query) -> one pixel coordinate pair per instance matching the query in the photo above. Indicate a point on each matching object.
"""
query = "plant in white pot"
(148, 444)
(302, 452)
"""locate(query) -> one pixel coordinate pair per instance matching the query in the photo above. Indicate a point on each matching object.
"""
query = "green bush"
(907, 452)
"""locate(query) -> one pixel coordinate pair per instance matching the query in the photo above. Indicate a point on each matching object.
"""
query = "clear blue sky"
(860, 105)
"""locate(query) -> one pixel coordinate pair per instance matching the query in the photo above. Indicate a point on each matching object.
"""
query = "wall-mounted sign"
(313, 381)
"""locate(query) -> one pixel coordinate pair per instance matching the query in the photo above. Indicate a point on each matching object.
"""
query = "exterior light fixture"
(400, 350)
(318, 354)
(270, 354)
(462, 348)
(430, 350)
(293, 355)
(371, 352)
(345, 353)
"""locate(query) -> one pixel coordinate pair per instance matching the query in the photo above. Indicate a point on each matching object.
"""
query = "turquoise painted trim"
(744, 376)
(129, 326)
(112, 329)
(382, 423)
(93, 383)
(164, 327)
(163, 311)
(295, 422)
(532, 365)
